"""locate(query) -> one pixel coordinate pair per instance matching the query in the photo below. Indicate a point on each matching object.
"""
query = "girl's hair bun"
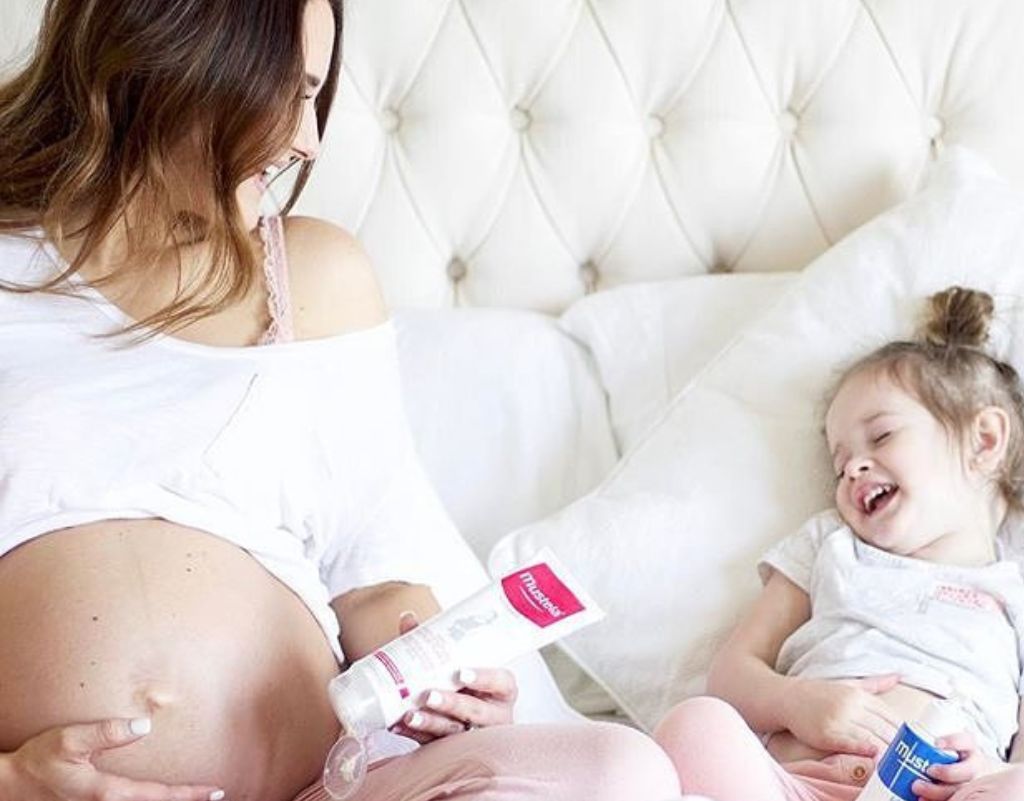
(958, 317)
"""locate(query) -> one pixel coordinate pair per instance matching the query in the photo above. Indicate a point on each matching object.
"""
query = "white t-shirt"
(953, 631)
(298, 452)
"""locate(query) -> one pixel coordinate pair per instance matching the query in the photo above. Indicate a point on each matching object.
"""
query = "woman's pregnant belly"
(132, 618)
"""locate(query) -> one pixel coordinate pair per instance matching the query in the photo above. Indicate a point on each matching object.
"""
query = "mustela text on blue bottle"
(906, 760)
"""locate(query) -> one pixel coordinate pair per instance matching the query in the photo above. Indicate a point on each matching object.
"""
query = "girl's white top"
(955, 632)
(298, 452)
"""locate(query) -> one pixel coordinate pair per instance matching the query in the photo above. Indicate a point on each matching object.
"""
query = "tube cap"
(355, 702)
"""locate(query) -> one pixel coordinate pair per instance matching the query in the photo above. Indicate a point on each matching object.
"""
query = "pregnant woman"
(204, 465)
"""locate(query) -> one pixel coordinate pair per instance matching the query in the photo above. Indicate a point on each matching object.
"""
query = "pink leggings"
(717, 755)
(576, 762)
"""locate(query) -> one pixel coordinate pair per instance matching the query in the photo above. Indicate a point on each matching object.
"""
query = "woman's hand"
(487, 698)
(973, 764)
(57, 766)
(844, 717)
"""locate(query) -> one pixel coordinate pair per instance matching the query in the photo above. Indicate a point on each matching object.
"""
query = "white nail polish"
(416, 720)
(467, 676)
(434, 699)
(217, 795)
(140, 726)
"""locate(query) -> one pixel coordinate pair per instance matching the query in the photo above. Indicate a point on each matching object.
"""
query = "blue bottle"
(912, 752)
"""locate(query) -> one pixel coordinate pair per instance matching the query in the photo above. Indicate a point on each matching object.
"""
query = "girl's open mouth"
(877, 498)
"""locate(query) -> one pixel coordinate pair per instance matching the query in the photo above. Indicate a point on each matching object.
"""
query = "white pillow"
(649, 340)
(510, 423)
(507, 413)
(668, 542)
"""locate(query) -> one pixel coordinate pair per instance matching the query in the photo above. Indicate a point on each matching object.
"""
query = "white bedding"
(668, 542)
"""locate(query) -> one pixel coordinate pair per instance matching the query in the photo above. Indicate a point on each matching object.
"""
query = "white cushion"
(511, 424)
(649, 340)
(507, 413)
(668, 542)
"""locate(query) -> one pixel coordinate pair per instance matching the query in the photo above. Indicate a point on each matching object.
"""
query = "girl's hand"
(487, 698)
(973, 763)
(845, 717)
(57, 766)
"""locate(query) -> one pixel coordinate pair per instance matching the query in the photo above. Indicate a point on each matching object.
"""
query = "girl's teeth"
(869, 499)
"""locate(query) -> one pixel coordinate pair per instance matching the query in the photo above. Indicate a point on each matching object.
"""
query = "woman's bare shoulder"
(333, 286)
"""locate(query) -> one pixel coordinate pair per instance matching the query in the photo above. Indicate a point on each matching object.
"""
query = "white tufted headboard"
(522, 152)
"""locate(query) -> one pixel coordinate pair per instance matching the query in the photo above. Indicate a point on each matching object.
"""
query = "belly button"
(153, 699)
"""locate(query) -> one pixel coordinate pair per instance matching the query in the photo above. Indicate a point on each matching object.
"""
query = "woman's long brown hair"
(91, 127)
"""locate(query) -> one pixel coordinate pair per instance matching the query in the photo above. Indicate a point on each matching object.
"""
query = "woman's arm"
(743, 671)
(369, 616)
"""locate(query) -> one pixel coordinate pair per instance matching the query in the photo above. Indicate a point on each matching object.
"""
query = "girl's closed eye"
(881, 437)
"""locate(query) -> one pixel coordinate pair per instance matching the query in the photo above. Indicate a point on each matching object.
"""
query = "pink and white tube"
(527, 609)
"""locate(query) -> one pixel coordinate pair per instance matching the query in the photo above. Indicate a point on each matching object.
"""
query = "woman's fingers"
(403, 730)
(466, 709)
(407, 621)
(433, 724)
(79, 742)
(445, 713)
(498, 683)
(487, 699)
(115, 788)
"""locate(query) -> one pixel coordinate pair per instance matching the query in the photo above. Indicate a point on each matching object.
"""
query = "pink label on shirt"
(967, 597)
(537, 594)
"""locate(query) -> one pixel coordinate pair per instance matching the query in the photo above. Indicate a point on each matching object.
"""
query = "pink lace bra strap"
(275, 267)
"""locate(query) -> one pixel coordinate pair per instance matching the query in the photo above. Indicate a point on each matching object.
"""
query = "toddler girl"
(903, 593)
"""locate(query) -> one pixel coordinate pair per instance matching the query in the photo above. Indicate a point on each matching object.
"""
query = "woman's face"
(318, 46)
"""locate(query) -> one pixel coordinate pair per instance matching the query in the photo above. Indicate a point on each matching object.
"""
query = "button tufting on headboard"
(590, 276)
(777, 127)
(390, 120)
(655, 126)
(788, 122)
(520, 119)
(457, 270)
